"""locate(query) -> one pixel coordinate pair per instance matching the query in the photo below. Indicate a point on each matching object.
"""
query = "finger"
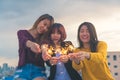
(71, 55)
(81, 59)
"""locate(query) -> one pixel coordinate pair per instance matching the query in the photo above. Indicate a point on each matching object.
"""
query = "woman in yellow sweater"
(90, 56)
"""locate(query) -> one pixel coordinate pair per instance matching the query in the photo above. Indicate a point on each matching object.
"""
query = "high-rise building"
(5, 67)
(114, 64)
(0, 69)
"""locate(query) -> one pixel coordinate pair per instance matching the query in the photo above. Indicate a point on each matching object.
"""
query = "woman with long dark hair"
(90, 56)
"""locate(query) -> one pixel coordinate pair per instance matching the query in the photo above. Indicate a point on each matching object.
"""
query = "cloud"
(8, 44)
(23, 13)
(112, 38)
(15, 15)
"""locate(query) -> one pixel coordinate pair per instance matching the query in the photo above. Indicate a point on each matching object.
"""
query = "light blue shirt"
(61, 72)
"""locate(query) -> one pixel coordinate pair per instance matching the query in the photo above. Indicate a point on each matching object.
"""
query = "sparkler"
(66, 47)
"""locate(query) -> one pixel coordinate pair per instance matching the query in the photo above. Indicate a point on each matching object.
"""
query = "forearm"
(77, 66)
(33, 46)
(29, 43)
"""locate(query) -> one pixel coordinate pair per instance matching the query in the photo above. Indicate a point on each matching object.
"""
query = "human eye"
(87, 31)
(81, 31)
(47, 26)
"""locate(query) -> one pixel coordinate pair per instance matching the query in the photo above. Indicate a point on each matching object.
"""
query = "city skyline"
(15, 15)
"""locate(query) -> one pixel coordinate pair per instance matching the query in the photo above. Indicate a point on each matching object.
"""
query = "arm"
(25, 42)
(22, 37)
(45, 54)
(76, 63)
(76, 66)
(100, 55)
(97, 57)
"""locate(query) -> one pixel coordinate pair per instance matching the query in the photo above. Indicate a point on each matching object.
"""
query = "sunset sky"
(21, 14)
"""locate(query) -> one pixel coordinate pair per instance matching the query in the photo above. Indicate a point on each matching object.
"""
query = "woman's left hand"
(64, 58)
(82, 55)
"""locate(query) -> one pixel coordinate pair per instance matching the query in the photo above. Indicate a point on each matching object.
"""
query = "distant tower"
(0, 69)
(5, 67)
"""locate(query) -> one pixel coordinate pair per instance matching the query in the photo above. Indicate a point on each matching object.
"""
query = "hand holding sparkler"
(54, 60)
(45, 52)
(64, 58)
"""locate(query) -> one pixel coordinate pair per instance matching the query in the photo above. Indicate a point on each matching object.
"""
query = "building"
(5, 67)
(6, 72)
(114, 64)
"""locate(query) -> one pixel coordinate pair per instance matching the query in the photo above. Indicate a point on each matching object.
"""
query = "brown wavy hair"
(60, 28)
(42, 17)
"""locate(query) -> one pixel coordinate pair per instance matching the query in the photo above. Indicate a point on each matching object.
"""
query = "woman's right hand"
(33, 46)
(54, 61)
(74, 57)
(46, 56)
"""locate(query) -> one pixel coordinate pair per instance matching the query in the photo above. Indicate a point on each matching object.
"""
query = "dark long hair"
(93, 36)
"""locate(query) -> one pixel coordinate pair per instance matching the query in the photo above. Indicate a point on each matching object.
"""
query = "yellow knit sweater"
(96, 68)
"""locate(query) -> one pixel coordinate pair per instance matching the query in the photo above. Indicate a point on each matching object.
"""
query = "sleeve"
(22, 38)
(100, 55)
(77, 67)
(48, 63)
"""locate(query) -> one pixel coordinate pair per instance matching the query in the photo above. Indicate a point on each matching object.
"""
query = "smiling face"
(84, 34)
(55, 36)
(43, 26)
